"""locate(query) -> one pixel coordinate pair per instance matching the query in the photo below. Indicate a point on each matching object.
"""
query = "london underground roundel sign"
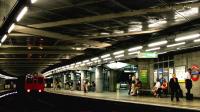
(195, 72)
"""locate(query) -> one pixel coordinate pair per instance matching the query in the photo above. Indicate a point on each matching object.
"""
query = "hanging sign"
(147, 55)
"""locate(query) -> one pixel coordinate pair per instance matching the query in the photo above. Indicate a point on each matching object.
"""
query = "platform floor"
(1, 91)
(122, 96)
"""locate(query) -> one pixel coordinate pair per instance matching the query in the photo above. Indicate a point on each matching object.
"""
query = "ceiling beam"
(120, 5)
(32, 58)
(25, 64)
(114, 15)
(29, 61)
(7, 67)
(126, 34)
(68, 5)
(44, 47)
(19, 35)
(38, 32)
(41, 52)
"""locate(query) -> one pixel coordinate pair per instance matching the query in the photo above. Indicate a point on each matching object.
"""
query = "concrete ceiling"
(64, 31)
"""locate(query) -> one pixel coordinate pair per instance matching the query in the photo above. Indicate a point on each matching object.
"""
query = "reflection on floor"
(122, 96)
(1, 91)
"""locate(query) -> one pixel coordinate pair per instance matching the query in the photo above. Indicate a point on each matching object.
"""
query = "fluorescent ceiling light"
(157, 23)
(78, 63)
(134, 28)
(135, 23)
(157, 43)
(96, 61)
(21, 14)
(76, 66)
(4, 38)
(83, 64)
(180, 14)
(96, 58)
(136, 52)
(104, 33)
(78, 48)
(105, 56)
(162, 52)
(197, 40)
(85, 61)
(187, 37)
(33, 1)
(116, 65)
(118, 56)
(6, 77)
(107, 59)
(177, 44)
(89, 63)
(11, 27)
(72, 64)
(135, 48)
(118, 52)
(118, 32)
(153, 49)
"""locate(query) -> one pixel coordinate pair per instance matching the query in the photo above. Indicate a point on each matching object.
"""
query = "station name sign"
(195, 72)
(147, 55)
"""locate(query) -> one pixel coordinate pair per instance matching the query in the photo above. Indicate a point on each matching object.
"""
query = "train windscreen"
(40, 80)
(29, 80)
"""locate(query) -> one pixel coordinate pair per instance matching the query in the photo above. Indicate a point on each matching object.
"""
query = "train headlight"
(40, 90)
(28, 90)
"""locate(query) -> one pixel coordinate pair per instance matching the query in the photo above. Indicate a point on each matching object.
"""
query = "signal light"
(28, 90)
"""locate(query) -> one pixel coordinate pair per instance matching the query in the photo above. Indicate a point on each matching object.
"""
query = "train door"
(29, 84)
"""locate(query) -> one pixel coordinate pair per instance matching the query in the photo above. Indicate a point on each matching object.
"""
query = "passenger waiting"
(132, 84)
(164, 87)
(157, 89)
(175, 87)
(85, 86)
(138, 85)
(93, 86)
(129, 84)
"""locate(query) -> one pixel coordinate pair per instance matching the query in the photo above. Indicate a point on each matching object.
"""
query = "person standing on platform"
(85, 86)
(175, 87)
(188, 81)
(129, 84)
(133, 80)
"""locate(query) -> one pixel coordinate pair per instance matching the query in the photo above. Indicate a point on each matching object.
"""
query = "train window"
(29, 80)
(40, 80)
(35, 81)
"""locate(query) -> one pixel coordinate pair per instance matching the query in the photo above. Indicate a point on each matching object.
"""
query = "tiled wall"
(188, 59)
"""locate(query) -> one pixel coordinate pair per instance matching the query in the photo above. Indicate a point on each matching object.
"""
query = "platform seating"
(144, 91)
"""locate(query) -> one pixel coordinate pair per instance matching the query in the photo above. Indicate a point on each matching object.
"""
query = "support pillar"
(62, 80)
(54, 82)
(112, 80)
(99, 79)
(144, 70)
(170, 18)
(83, 77)
(145, 26)
(73, 78)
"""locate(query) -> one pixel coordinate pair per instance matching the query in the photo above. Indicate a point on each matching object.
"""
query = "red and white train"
(34, 83)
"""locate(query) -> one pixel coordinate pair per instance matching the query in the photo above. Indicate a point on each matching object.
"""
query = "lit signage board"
(147, 55)
(180, 73)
